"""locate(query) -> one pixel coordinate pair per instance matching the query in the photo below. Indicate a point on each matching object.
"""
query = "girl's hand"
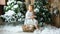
(32, 17)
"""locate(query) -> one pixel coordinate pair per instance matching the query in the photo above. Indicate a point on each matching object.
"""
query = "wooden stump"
(55, 20)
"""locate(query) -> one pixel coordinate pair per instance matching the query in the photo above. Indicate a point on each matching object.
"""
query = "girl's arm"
(33, 16)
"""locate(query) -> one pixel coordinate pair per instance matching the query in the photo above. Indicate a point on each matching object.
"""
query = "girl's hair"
(32, 6)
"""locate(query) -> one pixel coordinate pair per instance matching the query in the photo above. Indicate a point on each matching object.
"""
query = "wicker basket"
(28, 28)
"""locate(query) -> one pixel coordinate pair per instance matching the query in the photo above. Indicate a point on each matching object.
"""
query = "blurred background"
(13, 11)
(12, 15)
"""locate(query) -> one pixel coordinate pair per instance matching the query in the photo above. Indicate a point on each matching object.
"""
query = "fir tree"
(14, 11)
(42, 12)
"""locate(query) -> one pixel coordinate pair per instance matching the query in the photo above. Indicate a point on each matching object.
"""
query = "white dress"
(28, 19)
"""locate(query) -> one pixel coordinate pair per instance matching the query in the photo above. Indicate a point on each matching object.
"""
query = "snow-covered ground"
(48, 30)
(4, 32)
(18, 30)
(12, 30)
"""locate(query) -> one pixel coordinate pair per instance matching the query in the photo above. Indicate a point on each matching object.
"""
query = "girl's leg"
(36, 26)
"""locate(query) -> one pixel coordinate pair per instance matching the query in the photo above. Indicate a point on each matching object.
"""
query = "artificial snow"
(36, 10)
(15, 6)
(9, 13)
(13, 28)
(48, 30)
(42, 30)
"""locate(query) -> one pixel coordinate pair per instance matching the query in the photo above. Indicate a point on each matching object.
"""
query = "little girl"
(30, 17)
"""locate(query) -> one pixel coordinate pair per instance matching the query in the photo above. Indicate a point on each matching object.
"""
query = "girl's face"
(30, 8)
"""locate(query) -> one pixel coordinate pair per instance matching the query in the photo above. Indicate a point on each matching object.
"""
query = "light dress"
(29, 20)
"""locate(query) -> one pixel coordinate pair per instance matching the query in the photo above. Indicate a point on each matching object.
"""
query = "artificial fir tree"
(42, 13)
(14, 12)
